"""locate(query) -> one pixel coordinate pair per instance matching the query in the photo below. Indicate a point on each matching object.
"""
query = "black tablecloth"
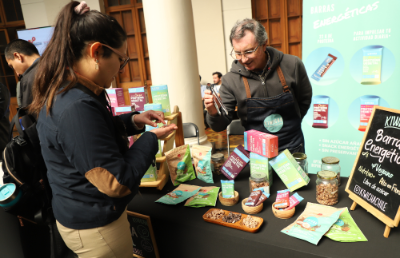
(181, 231)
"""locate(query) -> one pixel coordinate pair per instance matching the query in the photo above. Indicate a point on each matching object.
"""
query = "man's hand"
(209, 103)
(164, 131)
(146, 118)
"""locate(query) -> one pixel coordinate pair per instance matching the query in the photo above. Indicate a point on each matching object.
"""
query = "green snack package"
(160, 95)
(180, 164)
(180, 194)
(372, 65)
(151, 174)
(313, 223)
(260, 164)
(228, 190)
(345, 229)
(202, 163)
(155, 107)
(290, 172)
(206, 196)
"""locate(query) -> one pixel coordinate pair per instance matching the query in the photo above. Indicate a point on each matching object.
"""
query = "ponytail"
(71, 35)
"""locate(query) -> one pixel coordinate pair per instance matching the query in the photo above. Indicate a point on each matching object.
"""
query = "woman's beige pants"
(110, 241)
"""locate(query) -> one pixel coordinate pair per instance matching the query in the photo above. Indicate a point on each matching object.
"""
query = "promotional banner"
(351, 52)
(39, 37)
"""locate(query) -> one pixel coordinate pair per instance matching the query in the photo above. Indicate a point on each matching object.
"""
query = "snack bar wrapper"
(294, 200)
(254, 197)
(282, 199)
(228, 188)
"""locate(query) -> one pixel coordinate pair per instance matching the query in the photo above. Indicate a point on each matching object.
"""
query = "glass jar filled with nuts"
(258, 180)
(331, 164)
(217, 161)
(327, 188)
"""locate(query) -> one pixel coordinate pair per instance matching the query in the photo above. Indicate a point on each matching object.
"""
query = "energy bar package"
(366, 107)
(323, 68)
(372, 65)
(320, 112)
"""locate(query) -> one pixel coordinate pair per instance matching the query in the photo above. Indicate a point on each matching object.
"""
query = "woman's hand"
(146, 118)
(164, 131)
(209, 103)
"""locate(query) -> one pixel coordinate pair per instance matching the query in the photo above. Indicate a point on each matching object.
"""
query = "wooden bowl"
(251, 210)
(282, 214)
(228, 201)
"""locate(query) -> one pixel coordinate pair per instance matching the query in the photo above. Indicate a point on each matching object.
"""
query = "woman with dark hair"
(92, 172)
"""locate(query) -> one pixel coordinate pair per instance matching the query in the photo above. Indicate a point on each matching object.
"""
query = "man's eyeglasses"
(124, 57)
(247, 54)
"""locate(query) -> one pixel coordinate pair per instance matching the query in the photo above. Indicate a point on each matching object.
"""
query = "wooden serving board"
(237, 225)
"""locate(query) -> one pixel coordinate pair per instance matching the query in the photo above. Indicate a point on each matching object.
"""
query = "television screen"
(40, 37)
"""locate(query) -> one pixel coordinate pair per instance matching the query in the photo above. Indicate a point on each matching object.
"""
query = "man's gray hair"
(240, 27)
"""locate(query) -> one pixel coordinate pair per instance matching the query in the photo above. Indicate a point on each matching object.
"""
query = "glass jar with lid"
(327, 188)
(331, 164)
(217, 161)
(258, 180)
(301, 159)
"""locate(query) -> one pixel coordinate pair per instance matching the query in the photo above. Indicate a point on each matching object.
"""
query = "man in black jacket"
(270, 89)
(4, 120)
(23, 57)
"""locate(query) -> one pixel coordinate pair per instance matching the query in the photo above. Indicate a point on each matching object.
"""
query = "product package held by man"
(271, 90)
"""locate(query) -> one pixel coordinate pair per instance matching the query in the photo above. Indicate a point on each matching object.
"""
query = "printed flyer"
(349, 51)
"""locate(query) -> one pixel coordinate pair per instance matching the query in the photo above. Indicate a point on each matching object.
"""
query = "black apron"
(276, 115)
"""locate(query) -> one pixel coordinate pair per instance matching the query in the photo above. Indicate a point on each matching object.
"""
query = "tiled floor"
(220, 143)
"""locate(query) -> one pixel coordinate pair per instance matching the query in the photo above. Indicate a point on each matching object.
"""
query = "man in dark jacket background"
(4, 117)
(23, 57)
(271, 90)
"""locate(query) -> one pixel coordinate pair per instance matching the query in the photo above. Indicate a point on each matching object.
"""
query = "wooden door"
(129, 14)
(7, 76)
(283, 21)
(11, 19)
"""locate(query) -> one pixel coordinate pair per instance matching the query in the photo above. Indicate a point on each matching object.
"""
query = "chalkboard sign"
(374, 182)
(144, 243)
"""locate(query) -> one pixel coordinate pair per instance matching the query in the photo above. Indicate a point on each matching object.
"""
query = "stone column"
(173, 57)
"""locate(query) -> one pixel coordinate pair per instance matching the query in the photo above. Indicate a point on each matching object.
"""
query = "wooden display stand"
(175, 137)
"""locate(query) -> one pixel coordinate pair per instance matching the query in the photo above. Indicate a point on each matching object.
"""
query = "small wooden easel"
(175, 137)
(385, 219)
(377, 122)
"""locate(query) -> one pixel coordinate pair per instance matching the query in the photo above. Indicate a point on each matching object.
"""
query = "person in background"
(202, 89)
(217, 79)
(270, 89)
(23, 57)
(4, 117)
(92, 173)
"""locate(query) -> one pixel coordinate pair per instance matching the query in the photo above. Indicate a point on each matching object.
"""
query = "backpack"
(24, 166)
